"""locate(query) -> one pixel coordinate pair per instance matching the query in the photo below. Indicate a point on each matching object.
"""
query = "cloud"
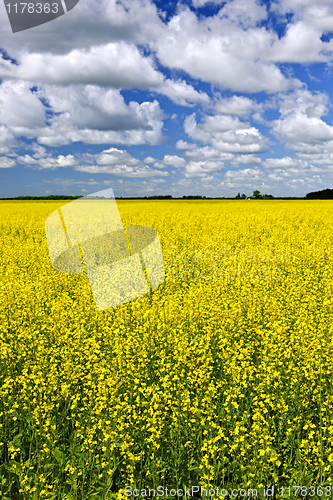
(297, 7)
(95, 22)
(182, 93)
(249, 158)
(174, 160)
(110, 161)
(222, 52)
(300, 126)
(8, 142)
(70, 182)
(40, 152)
(324, 156)
(48, 162)
(302, 40)
(248, 175)
(208, 153)
(149, 159)
(113, 156)
(159, 164)
(226, 133)
(200, 3)
(246, 50)
(246, 13)
(117, 65)
(279, 163)
(232, 49)
(184, 145)
(122, 170)
(19, 107)
(6, 162)
(90, 114)
(236, 105)
(208, 159)
(202, 168)
(300, 44)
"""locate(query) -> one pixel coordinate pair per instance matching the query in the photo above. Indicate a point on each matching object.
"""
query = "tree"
(243, 196)
(268, 197)
(325, 194)
(258, 196)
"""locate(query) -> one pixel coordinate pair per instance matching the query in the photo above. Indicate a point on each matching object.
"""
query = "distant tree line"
(159, 197)
(325, 194)
(197, 197)
(51, 197)
(257, 196)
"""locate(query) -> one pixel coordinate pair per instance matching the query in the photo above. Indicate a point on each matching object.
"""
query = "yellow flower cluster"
(211, 382)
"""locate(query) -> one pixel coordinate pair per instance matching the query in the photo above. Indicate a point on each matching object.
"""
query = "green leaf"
(59, 455)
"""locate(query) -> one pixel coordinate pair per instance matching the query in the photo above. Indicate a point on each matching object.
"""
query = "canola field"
(220, 377)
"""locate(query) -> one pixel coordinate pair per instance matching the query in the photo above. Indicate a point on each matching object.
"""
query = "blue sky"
(148, 98)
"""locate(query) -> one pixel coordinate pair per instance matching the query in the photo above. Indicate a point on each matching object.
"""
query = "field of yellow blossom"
(220, 377)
